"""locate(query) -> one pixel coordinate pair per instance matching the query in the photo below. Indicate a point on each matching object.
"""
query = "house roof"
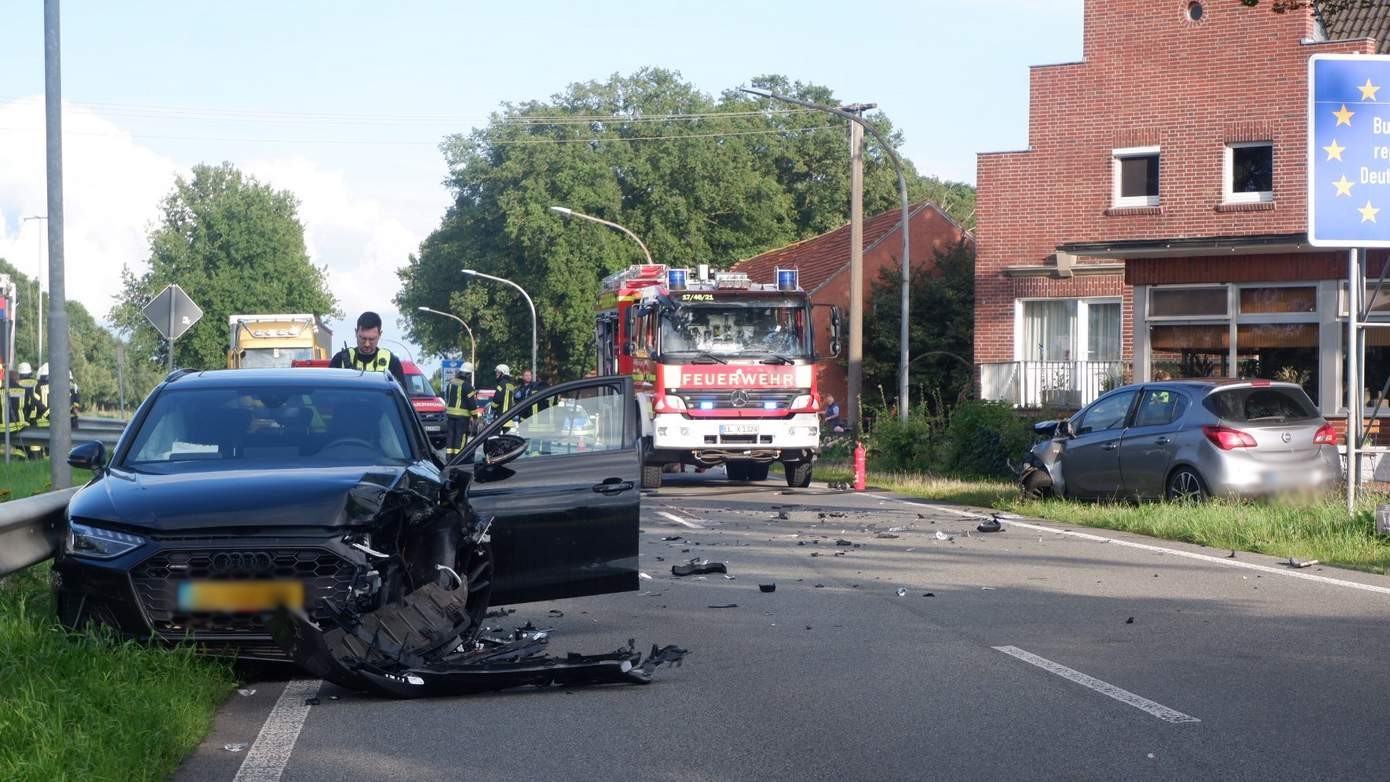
(1361, 20)
(821, 257)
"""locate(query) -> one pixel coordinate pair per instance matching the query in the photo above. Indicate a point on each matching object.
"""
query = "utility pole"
(59, 364)
(856, 271)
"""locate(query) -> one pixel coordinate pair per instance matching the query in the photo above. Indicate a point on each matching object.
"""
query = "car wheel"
(651, 476)
(1185, 485)
(798, 474)
(758, 472)
(1037, 485)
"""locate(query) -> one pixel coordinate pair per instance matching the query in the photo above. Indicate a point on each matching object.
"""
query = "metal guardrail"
(30, 529)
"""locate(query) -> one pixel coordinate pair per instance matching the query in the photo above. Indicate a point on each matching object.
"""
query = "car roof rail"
(178, 373)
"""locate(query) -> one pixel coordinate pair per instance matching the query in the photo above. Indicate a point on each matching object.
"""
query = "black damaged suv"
(235, 492)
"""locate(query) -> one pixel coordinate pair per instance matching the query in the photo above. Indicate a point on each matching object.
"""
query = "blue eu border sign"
(451, 364)
(1349, 150)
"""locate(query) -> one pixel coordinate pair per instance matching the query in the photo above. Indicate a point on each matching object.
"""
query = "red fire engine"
(725, 368)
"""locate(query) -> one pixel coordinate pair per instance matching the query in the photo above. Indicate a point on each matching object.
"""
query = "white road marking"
(1380, 590)
(679, 520)
(268, 756)
(1104, 688)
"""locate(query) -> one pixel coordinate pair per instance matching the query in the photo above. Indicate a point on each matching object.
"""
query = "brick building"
(823, 264)
(1156, 224)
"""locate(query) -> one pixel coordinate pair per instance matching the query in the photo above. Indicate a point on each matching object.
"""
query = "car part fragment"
(699, 567)
(419, 646)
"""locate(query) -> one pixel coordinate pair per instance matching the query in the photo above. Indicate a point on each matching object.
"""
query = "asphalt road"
(1023, 663)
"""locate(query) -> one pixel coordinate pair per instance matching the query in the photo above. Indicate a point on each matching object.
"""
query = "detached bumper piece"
(418, 647)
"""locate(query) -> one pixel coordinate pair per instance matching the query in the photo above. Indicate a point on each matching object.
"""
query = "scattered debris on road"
(245, 692)
(943, 536)
(843, 542)
(699, 566)
(641, 576)
(767, 587)
(312, 701)
(1129, 621)
(237, 747)
(672, 537)
(902, 592)
(1301, 563)
(1231, 555)
(991, 525)
(724, 605)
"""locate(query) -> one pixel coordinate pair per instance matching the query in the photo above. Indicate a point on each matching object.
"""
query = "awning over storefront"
(1186, 247)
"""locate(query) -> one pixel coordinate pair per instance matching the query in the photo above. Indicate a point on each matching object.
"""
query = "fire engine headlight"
(670, 404)
(801, 402)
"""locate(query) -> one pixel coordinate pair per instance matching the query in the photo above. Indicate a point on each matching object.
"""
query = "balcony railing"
(1052, 384)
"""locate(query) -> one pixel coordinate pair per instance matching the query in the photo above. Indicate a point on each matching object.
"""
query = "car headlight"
(97, 543)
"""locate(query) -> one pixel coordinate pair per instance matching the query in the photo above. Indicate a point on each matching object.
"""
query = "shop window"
(1188, 351)
(1271, 301)
(1187, 302)
(1287, 352)
(1136, 177)
(1249, 173)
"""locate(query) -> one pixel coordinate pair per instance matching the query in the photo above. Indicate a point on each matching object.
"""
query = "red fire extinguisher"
(861, 467)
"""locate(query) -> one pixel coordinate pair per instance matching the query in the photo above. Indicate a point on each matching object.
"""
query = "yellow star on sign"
(1343, 186)
(1368, 213)
(1344, 116)
(1368, 90)
(1334, 152)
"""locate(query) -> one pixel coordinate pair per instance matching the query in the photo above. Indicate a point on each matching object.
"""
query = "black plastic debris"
(723, 605)
(499, 612)
(1129, 621)
(1301, 563)
(885, 535)
(699, 567)
(783, 515)
(555, 613)
(1231, 555)
(311, 701)
(820, 586)
(991, 525)
(422, 645)
(815, 553)
(767, 587)
(843, 542)
(672, 537)
(929, 594)
(801, 543)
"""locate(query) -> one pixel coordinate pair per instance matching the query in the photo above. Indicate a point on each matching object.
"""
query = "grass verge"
(1314, 528)
(87, 706)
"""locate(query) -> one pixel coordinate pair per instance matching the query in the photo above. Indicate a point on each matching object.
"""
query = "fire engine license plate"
(240, 596)
(738, 428)
(432, 427)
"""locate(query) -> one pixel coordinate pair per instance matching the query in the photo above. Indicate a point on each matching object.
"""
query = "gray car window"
(1108, 413)
(1160, 406)
(1276, 403)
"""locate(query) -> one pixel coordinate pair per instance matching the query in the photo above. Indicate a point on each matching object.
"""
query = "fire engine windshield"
(776, 328)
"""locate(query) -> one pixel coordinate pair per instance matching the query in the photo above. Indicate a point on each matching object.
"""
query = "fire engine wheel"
(798, 474)
(651, 476)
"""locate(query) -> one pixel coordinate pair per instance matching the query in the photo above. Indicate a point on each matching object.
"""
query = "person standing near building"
(369, 356)
(832, 415)
(461, 406)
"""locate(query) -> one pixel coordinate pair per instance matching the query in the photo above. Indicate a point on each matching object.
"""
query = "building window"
(1194, 12)
(1249, 173)
(1136, 177)
(1070, 330)
(1188, 302)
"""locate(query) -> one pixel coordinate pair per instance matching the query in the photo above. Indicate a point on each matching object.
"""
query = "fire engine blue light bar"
(706, 405)
(769, 405)
(675, 279)
(786, 279)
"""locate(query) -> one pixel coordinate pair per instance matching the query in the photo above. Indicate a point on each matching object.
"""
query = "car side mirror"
(1064, 428)
(503, 448)
(88, 456)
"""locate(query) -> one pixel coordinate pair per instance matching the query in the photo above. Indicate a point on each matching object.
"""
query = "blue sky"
(345, 102)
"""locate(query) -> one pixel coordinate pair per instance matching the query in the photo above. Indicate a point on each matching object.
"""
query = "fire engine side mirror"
(629, 348)
(835, 326)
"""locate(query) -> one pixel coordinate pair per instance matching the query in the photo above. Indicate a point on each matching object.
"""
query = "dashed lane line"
(1104, 688)
(266, 759)
(681, 521)
(1380, 590)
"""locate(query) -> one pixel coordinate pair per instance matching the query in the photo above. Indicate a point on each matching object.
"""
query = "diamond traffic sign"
(172, 313)
(1348, 150)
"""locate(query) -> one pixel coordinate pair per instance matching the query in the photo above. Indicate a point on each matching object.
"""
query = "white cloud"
(111, 191)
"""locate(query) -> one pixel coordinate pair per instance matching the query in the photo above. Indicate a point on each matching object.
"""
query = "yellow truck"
(263, 341)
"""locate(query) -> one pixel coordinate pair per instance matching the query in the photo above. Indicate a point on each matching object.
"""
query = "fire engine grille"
(782, 398)
(157, 579)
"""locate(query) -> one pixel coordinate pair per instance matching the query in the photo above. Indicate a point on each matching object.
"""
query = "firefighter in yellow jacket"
(461, 406)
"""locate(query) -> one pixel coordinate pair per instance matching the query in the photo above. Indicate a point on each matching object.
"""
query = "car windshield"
(198, 429)
(777, 327)
(417, 385)
(1253, 405)
(271, 358)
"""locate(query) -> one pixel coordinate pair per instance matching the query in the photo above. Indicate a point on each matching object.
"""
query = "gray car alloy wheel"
(1185, 485)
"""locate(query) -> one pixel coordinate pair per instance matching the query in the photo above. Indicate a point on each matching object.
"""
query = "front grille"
(156, 582)
(756, 398)
(430, 418)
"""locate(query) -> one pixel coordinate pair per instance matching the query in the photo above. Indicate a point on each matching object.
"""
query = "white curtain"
(1049, 330)
(1103, 331)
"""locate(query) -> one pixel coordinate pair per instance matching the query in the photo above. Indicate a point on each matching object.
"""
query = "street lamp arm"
(473, 355)
(567, 212)
(529, 303)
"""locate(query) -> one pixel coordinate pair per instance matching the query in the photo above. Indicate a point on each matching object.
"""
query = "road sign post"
(1348, 167)
(172, 313)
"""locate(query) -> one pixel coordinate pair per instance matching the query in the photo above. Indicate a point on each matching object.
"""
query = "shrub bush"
(903, 446)
(980, 438)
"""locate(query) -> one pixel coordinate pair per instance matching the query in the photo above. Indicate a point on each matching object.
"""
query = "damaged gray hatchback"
(234, 494)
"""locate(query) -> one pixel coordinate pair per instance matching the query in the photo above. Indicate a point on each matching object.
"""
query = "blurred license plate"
(432, 427)
(240, 596)
(738, 428)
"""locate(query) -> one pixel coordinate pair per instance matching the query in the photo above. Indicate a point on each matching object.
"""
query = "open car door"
(560, 474)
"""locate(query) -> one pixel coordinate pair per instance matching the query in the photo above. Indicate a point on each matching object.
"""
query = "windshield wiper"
(705, 354)
(777, 358)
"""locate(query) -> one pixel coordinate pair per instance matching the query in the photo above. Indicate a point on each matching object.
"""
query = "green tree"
(701, 179)
(235, 245)
(940, 333)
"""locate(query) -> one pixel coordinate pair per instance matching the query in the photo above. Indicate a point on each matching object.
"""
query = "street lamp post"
(906, 209)
(529, 303)
(38, 294)
(567, 212)
(473, 344)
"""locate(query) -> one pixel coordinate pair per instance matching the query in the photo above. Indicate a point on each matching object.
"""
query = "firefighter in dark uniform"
(19, 407)
(34, 410)
(368, 356)
(504, 393)
(461, 406)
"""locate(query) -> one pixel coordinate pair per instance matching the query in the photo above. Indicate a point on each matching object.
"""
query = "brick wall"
(1150, 77)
